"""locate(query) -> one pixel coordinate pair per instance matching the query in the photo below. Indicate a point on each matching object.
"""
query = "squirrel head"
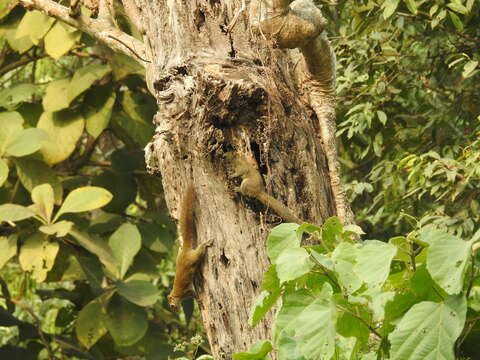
(174, 302)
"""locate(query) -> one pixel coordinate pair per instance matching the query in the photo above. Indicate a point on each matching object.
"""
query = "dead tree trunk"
(220, 88)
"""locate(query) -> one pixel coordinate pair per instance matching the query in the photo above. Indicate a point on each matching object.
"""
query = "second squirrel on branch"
(252, 186)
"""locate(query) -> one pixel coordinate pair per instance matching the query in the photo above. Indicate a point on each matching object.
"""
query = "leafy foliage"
(394, 305)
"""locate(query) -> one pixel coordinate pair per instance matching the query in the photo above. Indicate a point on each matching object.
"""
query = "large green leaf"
(258, 351)
(311, 321)
(20, 45)
(60, 40)
(56, 98)
(389, 7)
(125, 244)
(138, 132)
(8, 248)
(293, 263)
(97, 247)
(6, 6)
(16, 94)
(264, 302)
(282, 237)
(14, 212)
(84, 78)
(140, 292)
(90, 325)
(34, 24)
(98, 107)
(33, 172)
(344, 259)
(11, 124)
(43, 200)
(447, 260)
(373, 262)
(64, 129)
(86, 198)
(126, 322)
(59, 229)
(27, 142)
(428, 331)
(3, 171)
(37, 255)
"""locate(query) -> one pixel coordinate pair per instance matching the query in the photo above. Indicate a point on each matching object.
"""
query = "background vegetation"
(87, 248)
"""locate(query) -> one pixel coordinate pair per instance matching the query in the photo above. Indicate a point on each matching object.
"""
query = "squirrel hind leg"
(200, 250)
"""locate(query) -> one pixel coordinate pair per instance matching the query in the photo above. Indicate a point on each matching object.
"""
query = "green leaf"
(389, 7)
(126, 322)
(6, 6)
(43, 200)
(447, 259)
(33, 172)
(3, 171)
(90, 325)
(11, 124)
(293, 263)
(125, 244)
(37, 255)
(139, 132)
(373, 262)
(14, 212)
(55, 98)
(27, 142)
(64, 130)
(98, 109)
(58, 229)
(258, 351)
(97, 247)
(264, 302)
(140, 292)
(270, 279)
(282, 237)
(429, 330)
(16, 94)
(458, 7)
(412, 6)
(84, 78)
(20, 45)
(382, 117)
(456, 20)
(344, 258)
(8, 248)
(310, 321)
(344, 347)
(85, 198)
(468, 68)
(34, 24)
(60, 40)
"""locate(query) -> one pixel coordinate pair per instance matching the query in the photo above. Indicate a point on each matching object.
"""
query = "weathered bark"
(221, 88)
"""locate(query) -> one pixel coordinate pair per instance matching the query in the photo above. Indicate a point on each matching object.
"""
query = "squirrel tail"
(186, 225)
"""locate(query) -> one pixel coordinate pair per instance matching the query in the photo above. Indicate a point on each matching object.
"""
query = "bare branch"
(100, 29)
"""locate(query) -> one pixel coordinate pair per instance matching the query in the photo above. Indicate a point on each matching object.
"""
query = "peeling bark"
(221, 87)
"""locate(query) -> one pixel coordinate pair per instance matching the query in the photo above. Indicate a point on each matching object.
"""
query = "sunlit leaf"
(282, 237)
(258, 351)
(64, 129)
(34, 24)
(14, 212)
(429, 330)
(11, 124)
(59, 229)
(27, 142)
(43, 200)
(60, 39)
(55, 98)
(293, 263)
(373, 262)
(86, 198)
(8, 248)
(37, 255)
(84, 78)
(3, 171)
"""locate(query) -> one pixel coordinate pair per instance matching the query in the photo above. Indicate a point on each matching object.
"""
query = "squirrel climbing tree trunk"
(226, 83)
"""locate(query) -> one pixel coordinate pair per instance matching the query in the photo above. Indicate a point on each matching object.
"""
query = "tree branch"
(98, 28)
